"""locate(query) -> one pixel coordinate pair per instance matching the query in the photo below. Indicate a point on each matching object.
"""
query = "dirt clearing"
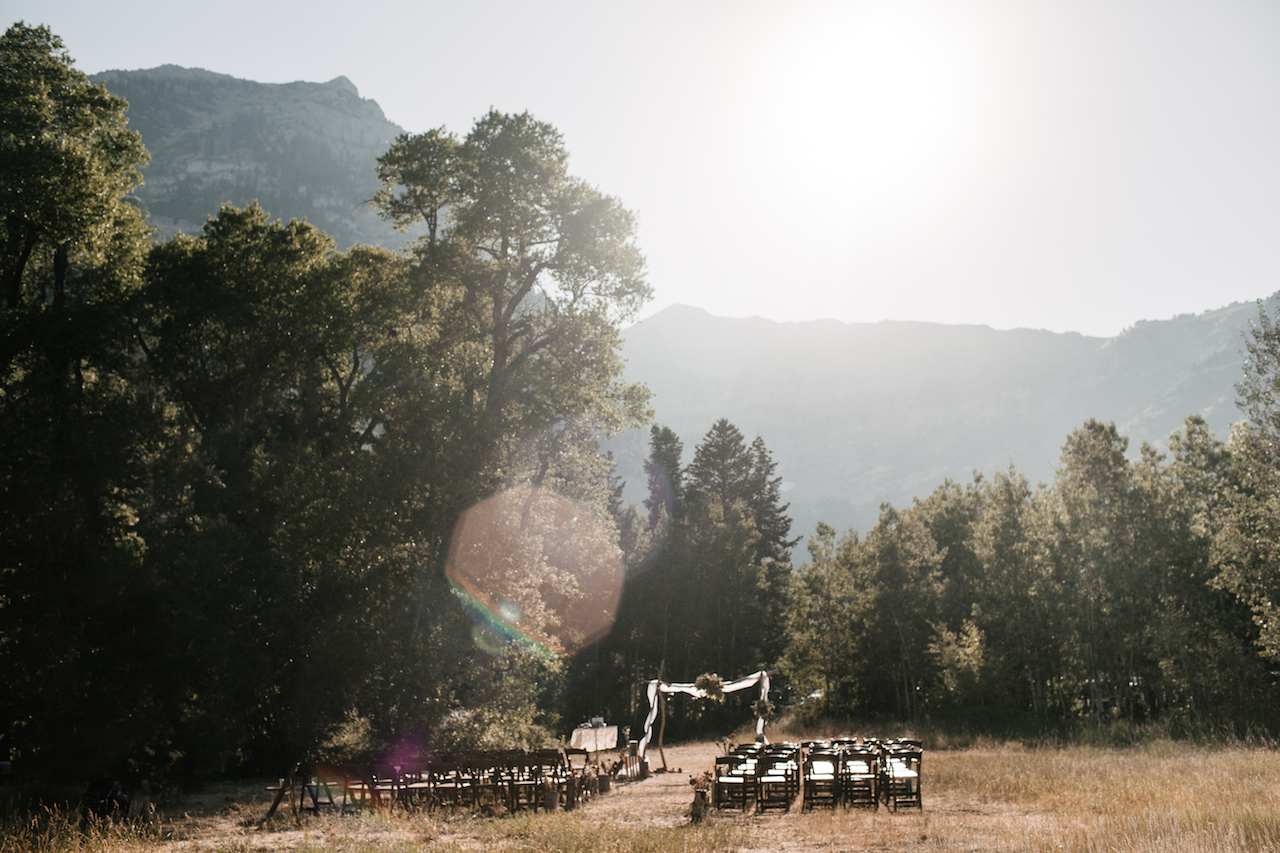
(229, 817)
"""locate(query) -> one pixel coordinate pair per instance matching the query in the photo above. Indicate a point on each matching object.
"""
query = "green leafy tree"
(822, 657)
(644, 642)
(70, 162)
(710, 593)
(1108, 594)
(950, 512)
(1258, 392)
(533, 271)
(1097, 546)
(1247, 544)
(242, 455)
(523, 277)
(961, 659)
(1202, 665)
(721, 465)
(1018, 597)
(768, 513)
(722, 615)
(656, 587)
(420, 178)
(278, 538)
(898, 568)
(78, 432)
(764, 503)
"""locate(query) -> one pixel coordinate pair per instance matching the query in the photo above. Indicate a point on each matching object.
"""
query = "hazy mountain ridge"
(300, 149)
(860, 413)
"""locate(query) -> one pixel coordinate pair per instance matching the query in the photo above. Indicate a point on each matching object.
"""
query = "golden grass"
(1164, 797)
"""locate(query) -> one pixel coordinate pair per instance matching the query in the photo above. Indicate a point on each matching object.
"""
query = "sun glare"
(870, 101)
(883, 137)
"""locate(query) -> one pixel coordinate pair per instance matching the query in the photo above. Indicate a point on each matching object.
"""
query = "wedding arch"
(658, 688)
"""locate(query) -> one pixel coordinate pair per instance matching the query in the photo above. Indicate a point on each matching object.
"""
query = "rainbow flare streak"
(494, 627)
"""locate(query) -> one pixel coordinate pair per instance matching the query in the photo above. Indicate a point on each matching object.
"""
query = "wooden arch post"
(662, 715)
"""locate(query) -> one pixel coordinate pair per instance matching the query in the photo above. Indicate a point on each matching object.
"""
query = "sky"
(1070, 165)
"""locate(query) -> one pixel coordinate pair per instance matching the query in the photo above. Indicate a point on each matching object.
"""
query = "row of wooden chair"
(763, 776)
(510, 780)
(863, 773)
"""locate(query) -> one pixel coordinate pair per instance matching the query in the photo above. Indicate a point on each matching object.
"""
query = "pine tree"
(665, 474)
(726, 469)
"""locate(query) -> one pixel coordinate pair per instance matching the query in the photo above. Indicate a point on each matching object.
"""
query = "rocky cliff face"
(299, 149)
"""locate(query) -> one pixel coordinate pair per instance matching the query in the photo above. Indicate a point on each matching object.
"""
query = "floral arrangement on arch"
(712, 685)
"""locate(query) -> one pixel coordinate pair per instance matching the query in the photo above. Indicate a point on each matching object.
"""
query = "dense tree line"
(232, 463)
(1123, 590)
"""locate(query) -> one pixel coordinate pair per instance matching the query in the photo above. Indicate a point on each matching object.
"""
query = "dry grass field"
(989, 797)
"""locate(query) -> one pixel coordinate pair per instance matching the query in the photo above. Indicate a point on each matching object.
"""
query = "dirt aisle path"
(661, 800)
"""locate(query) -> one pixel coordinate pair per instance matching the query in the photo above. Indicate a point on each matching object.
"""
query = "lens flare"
(536, 569)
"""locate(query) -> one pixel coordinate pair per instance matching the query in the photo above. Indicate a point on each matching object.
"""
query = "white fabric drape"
(761, 678)
(648, 721)
(764, 698)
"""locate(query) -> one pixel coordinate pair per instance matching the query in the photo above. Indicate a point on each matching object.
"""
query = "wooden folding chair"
(860, 777)
(382, 783)
(414, 784)
(732, 786)
(445, 785)
(486, 784)
(821, 779)
(777, 782)
(900, 777)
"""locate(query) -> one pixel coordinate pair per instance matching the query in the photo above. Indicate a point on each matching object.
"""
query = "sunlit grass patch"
(56, 830)
(1160, 796)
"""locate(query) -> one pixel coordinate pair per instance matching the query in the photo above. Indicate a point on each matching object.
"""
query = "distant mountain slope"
(300, 149)
(857, 414)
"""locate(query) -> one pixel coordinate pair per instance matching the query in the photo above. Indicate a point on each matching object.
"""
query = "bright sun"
(871, 102)
(873, 139)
